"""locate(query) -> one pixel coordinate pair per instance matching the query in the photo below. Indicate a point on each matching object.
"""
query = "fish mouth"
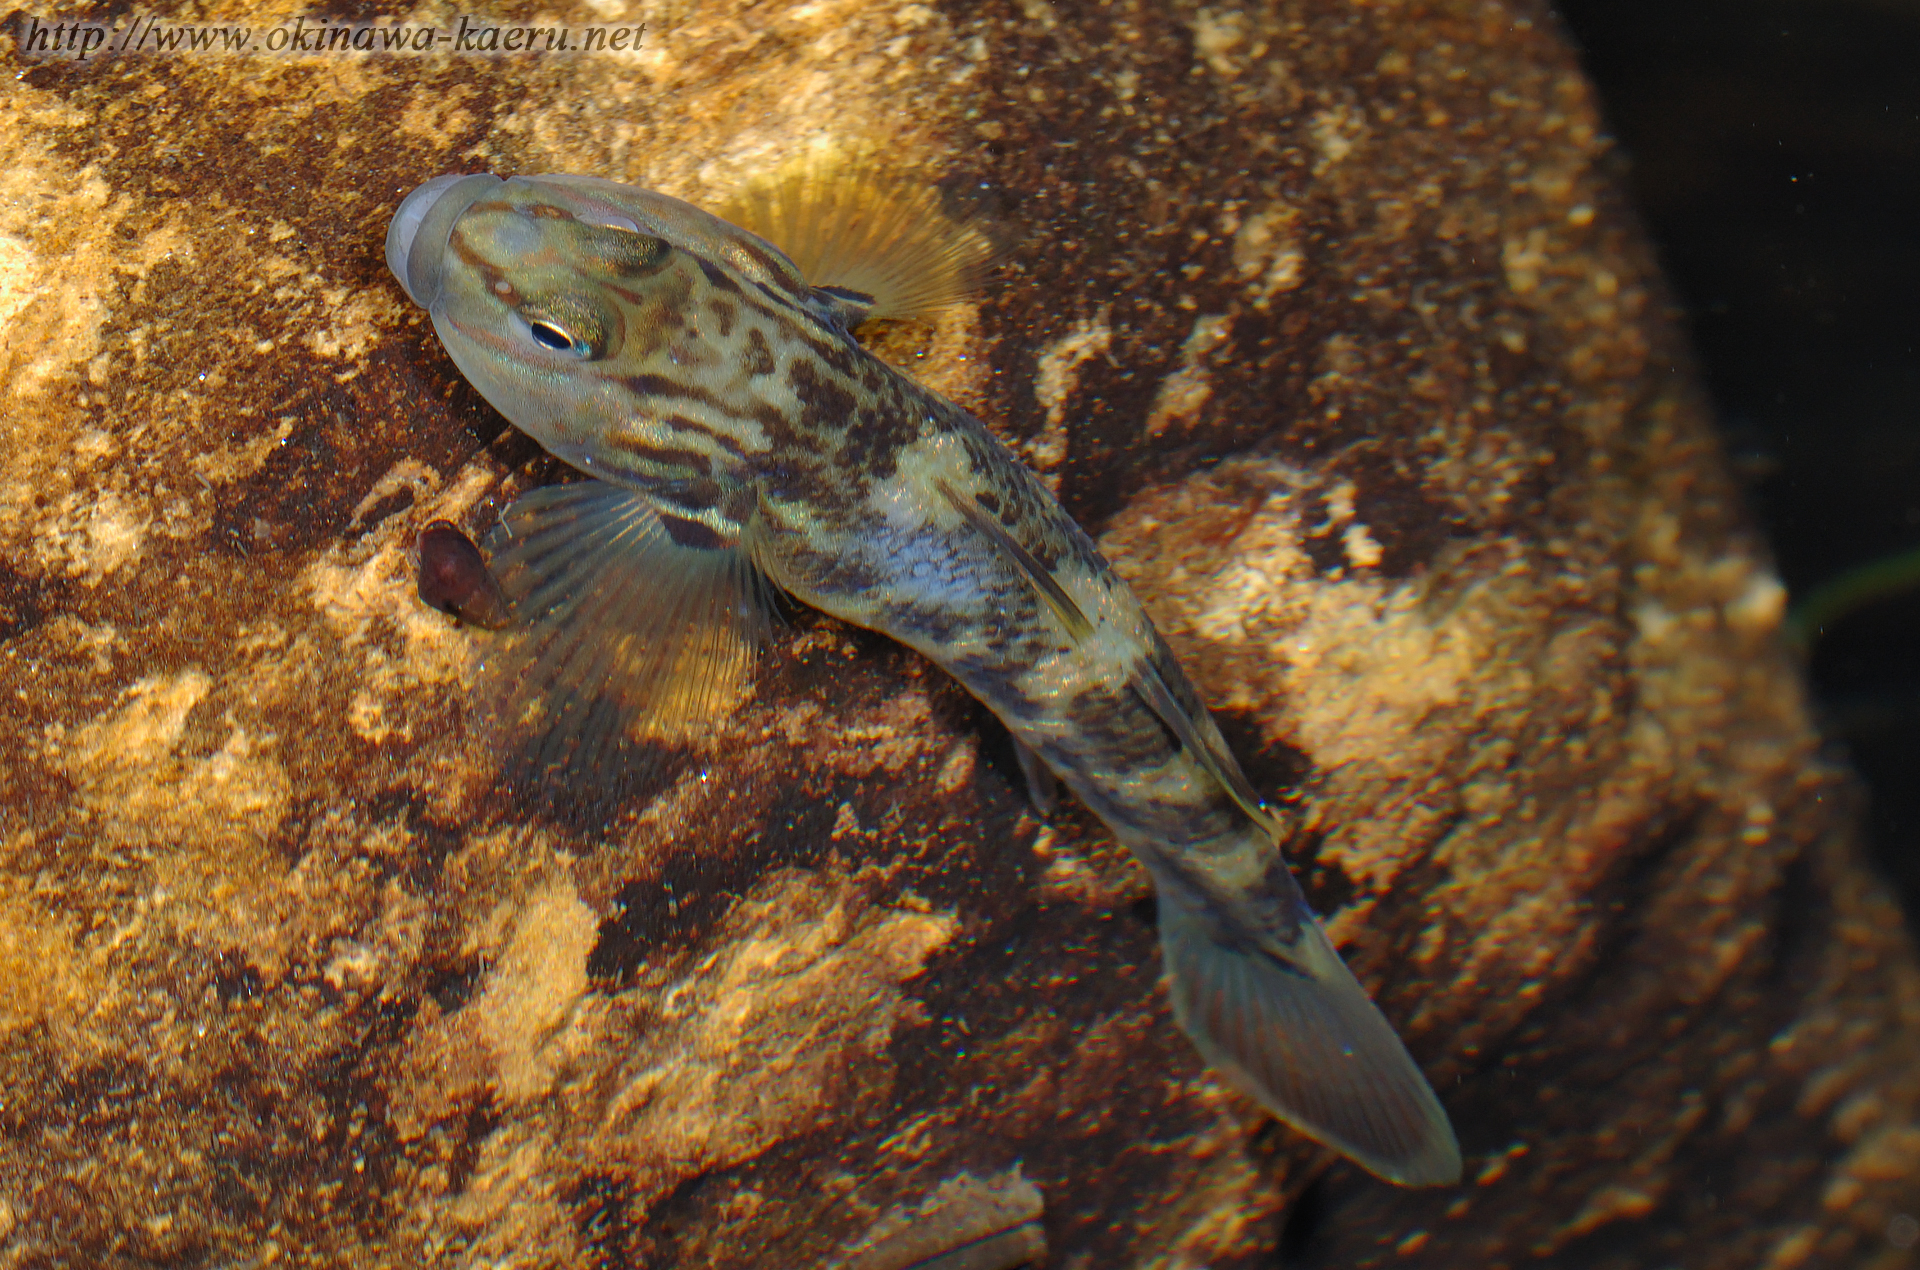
(418, 235)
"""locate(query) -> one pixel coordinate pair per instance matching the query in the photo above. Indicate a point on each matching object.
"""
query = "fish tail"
(1301, 1037)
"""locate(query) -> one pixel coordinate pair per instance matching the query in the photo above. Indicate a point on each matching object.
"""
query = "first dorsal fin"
(859, 231)
(624, 630)
(849, 307)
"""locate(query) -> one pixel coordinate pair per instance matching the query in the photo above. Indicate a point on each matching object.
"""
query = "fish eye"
(568, 324)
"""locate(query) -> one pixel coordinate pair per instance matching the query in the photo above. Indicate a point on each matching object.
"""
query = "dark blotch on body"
(719, 278)
(984, 677)
(823, 403)
(667, 457)
(621, 252)
(768, 417)
(876, 434)
(758, 358)
(925, 621)
(752, 250)
(646, 385)
(691, 533)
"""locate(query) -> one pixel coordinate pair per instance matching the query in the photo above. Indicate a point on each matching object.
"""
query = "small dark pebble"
(454, 578)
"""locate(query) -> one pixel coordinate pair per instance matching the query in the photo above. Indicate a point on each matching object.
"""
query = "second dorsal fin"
(1204, 743)
(1025, 562)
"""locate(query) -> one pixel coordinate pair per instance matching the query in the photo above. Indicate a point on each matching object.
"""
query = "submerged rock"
(1329, 319)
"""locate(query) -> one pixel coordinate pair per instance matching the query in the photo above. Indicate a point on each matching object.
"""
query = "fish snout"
(417, 238)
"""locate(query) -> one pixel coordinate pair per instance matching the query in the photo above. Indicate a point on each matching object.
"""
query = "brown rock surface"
(1327, 314)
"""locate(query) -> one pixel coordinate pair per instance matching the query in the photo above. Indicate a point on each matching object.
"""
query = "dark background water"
(1774, 150)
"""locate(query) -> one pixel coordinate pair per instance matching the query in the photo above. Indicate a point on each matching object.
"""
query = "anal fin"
(1043, 787)
(621, 633)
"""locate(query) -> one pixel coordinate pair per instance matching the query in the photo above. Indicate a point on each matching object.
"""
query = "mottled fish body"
(738, 434)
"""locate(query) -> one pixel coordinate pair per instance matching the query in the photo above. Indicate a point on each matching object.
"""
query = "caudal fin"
(1302, 1038)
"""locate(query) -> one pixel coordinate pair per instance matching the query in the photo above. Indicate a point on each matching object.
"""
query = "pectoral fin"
(621, 630)
(1302, 1038)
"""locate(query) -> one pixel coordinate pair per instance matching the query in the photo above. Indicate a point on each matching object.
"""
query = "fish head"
(562, 298)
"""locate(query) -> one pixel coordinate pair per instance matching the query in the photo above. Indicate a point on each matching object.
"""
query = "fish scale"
(741, 439)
